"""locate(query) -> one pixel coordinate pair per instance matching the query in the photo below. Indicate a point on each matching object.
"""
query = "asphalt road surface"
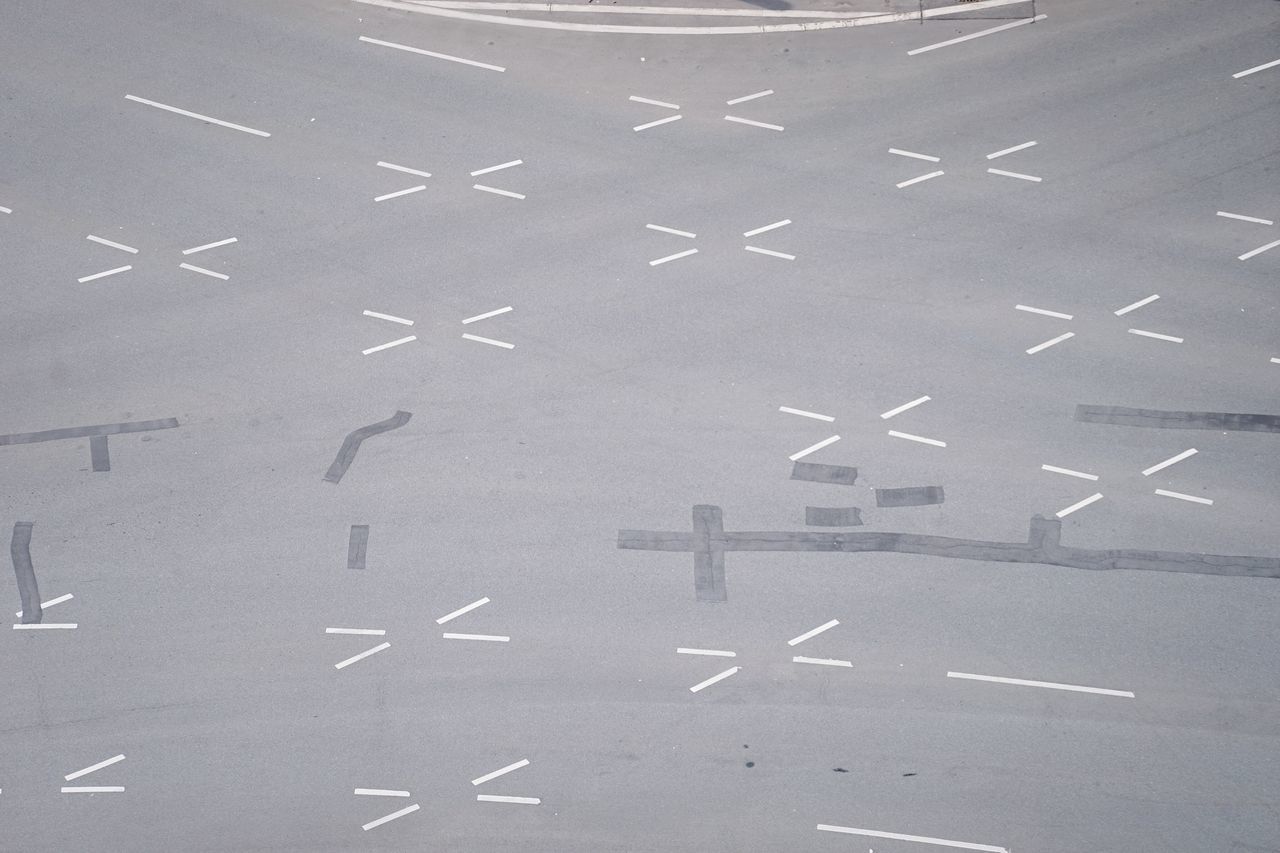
(275, 225)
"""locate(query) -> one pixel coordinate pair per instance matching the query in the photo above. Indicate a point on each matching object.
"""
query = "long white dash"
(650, 124)
(490, 798)
(103, 789)
(432, 54)
(713, 679)
(461, 610)
(1275, 361)
(390, 317)
(1003, 151)
(1155, 335)
(490, 341)
(47, 604)
(1166, 463)
(823, 661)
(104, 274)
(1017, 175)
(909, 437)
(922, 839)
(1258, 251)
(813, 448)
(754, 123)
(363, 632)
(121, 246)
(1147, 301)
(652, 102)
(362, 655)
(379, 792)
(404, 169)
(1045, 312)
(218, 122)
(914, 155)
(904, 407)
(1243, 218)
(765, 228)
(203, 271)
(487, 315)
(500, 772)
(1255, 69)
(398, 193)
(389, 345)
(489, 169)
(488, 638)
(665, 230)
(496, 191)
(1163, 493)
(712, 652)
(69, 626)
(387, 818)
(770, 252)
(1052, 685)
(1063, 513)
(213, 245)
(920, 178)
(676, 256)
(1056, 470)
(978, 34)
(93, 768)
(751, 97)
(1059, 339)
(804, 414)
(815, 632)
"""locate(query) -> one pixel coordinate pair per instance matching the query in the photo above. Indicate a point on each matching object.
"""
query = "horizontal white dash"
(1258, 251)
(909, 437)
(1063, 513)
(920, 178)
(47, 604)
(496, 191)
(489, 169)
(389, 345)
(1166, 463)
(1243, 218)
(1056, 470)
(770, 252)
(524, 762)
(765, 228)
(665, 230)
(1003, 151)
(1017, 175)
(1167, 494)
(203, 271)
(93, 768)
(1275, 361)
(404, 169)
(398, 193)
(379, 792)
(1155, 335)
(652, 102)
(815, 632)
(490, 798)
(1255, 69)
(754, 123)
(1045, 312)
(711, 652)
(461, 610)
(487, 315)
(490, 341)
(900, 409)
(432, 54)
(804, 414)
(650, 124)
(388, 818)
(713, 679)
(822, 661)
(978, 34)
(488, 638)
(813, 448)
(913, 154)
(922, 839)
(1147, 301)
(103, 274)
(1059, 339)
(752, 97)
(1022, 682)
(390, 317)
(362, 655)
(121, 246)
(219, 122)
(363, 632)
(47, 626)
(676, 256)
(213, 245)
(102, 789)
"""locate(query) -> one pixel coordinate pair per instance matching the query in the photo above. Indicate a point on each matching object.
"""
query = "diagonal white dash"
(487, 315)
(713, 679)
(490, 341)
(921, 839)
(399, 193)
(389, 345)
(711, 652)
(648, 125)
(1258, 251)
(489, 169)
(1147, 301)
(765, 228)
(379, 792)
(914, 155)
(212, 245)
(823, 661)
(900, 409)
(1167, 494)
(746, 98)
(491, 798)
(93, 768)
(390, 317)
(433, 54)
(1063, 513)
(1155, 335)
(524, 762)
(44, 605)
(815, 632)
(1017, 175)
(978, 34)
(104, 274)
(487, 638)
(1255, 69)
(1166, 463)
(909, 437)
(404, 169)
(813, 447)
(1045, 312)
(189, 114)
(664, 229)
(1053, 685)
(105, 789)
(654, 103)
(121, 246)
(920, 178)
(388, 818)
(203, 271)
(1003, 151)
(362, 655)
(803, 413)
(1056, 470)
(461, 610)
(496, 191)
(1059, 339)
(1243, 218)
(674, 257)
(770, 252)
(754, 123)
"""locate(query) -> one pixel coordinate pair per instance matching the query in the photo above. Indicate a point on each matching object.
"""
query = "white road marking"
(362, 655)
(713, 679)
(203, 271)
(44, 605)
(1155, 335)
(1003, 151)
(363, 632)
(770, 252)
(746, 98)
(488, 638)
(765, 228)
(396, 343)
(1166, 463)
(978, 34)
(812, 448)
(487, 315)
(104, 789)
(650, 124)
(909, 437)
(1245, 218)
(496, 191)
(103, 274)
(674, 231)
(121, 246)
(803, 413)
(490, 798)
(904, 407)
(47, 626)
(433, 54)
(387, 818)
(6, 210)
(928, 157)
(1255, 69)
(219, 122)
(489, 169)
(379, 792)
(1059, 339)
(754, 123)
(1056, 470)
(1275, 361)
(1063, 513)
(461, 610)
(920, 178)
(922, 839)
(501, 6)
(1126, 309)
(405, 169)
(815, 632)
(823, 661)
(1163, 493)
(500, 772)
(1258, 251)
(490, 341)
(1045, 312)
(93, 768)
(209, 246)
(1015, 175)
(390, 317)
(641, 100)
(1022, 682)
(712, 652)
(676, 256)
(398, 193)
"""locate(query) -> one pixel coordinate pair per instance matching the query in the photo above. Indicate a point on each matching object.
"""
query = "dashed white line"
(390, 317)
(93, 768)
(1056, 470)
(1258, 251)
(1045, 312)
(398, 193)
(815, 632)
(1052, 685)
(68, 626)
(489, 169)
(104, 274)
(1163, 493)
(921, 439)
(1059, 339)
(1018, 175)
(665, 230)
(1003, 151)
(44, 605)
(213, 245)
(674, 257)
(652, 102)
(189, 114)
(813, 448)
(490, 341)
(712, 652)
(1255, 69)
(913, 154)
(650, 124)
(713, 679)
(770, 252)
(922, 839)
(1063, 513)
(1243, 218)
(461, 610)
(900, 409)
(978, 34)
(490, 798)
(362, 632)
(362, 655)
(496, 191)
(823, 661)
(121, 246)
(524, 762)
(203, 271)
(1155, 335)
(754, 123)
(487, 638)
(920, 178)
(404, 169)
(487, 315)
(1166, 463)
(765, 228)
(388, 818)
(432, 54)
(102, 789)
(804, 414)
(1147, 301)
(746, 98)
(395, 343)
(379, 792)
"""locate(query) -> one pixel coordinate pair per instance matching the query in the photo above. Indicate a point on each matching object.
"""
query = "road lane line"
(524, 762)
(404, 169)
(45, 605)
(978, 34)
(379, 792)
(1275, 361)
(1163, 493)
(756, 231)
(1052, 685)
(203, 271)
(396, 343)
(1166, 463)
(664, 229)
(487, 638)
(399, 193)
(461, 610)
(648, 125)
(1056, 470)
(209, 246)
(1126, 309)
(388, 818)
(500, 6)
(189, 114)
(496, 191)
(900, 409)
(815, 632)
(490, 341)
(487, 315)
(363, 632)
(746, 98)
(1059, 339)
(390, 317)
(1045, 312)
(490, 798)
(1243, 218)
(1258, 251)
(770, 252)
(6, 210)
(676, 256)
(713, 679)
(489, 169)
(1255, 69)
(641, 100)
(103, 274)
(121, 246)
(920, 178)
(362, 655)
(754, 123)
(1155, 335)
(922, 839)
(93, 768)
(712, 652)
(103, 789)
(1063, 513)
(1003, 151)
(928, 157)
(45, 626)
(803, 413)
(814, 447)
(823, 661)
(432, 54)
(1018, 175)
(909, 437)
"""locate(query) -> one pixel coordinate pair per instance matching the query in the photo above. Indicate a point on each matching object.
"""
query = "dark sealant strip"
(87, 431)
(833, 516)
(99, 454)
(841, 475)
(357, 546)
(1161, 419)
(708, 554)
(910, 496)
(20, 550)
(351, 444)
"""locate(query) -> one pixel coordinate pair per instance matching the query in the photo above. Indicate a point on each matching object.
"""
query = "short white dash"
(203, 271)
(1003, 151)
(490, 798)
(1243, 218)
(665, 230)
(398, 193)
(922, 839)
(746, 98)
(978, 34)
(1155, 335)
(47, 604)
(1258, 251)
(1171, 460)
(765, 228)
(1147, 301)
(389, 345)
(914, 155)
(6, 210)
(490, 341)
(713, 679)
(488, 638)
(461, 610)
(1063, 513)
(815, 632)
(650, 124)
(712, 652)
(104, 789)
(904, 407)
(1045, 312)
(1275, 361)
(1022, 682)
(363, 632)
(103, 274)
(404, 169)
(387, 818)
(754, 123)
(1056, 470)
(823, 661)
(770, 252)
(93, 768)
(1059, 339)
(422, 52)
(920, 178)
(390, 317)
(909, 437)
(489, 169)
(524, 762)
(1167, 494)
(219, 122)
(1254, 70)
(676, 256)
(496, 191)
(47, 626)
(804, 414)
(652, 102)
(213, 245)
(813, 448)
(362, 655)
(379, 792)
(121, 246)
(487, 315)
(1017, 175)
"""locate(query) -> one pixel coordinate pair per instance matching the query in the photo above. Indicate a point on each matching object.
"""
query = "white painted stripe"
(390, 317)
(1003, 151)
(121, 246)
(45, 605)
(904, 407)
(978, 34)
(432, 54)
(1045, 312)
(1171, 460)
(363, 632)
(1243, 218)
(405, 169)
(396, 343)
(922, 839)
(203, 271)
(93, 768)
(823, 661)
(815, 632)
(496, 191)
(770, 252)
(664, 229)
(583, 8)
(754, 123)
(362, 655)
(1258, 251)
(676, 256)
(103, 274)
(803, 413)
(219, 122)
(909, 437)
(1155, 335)
(1056, 470)
(524, 762)
(488, 638)
(490, 798)
(47, 626)
(928, 157)
(920, 178)
(1018, 175)
(1126, 309)
(398, 193)
(379, 792)
(6, 210)
(104, 789)
(388, 818)
(1255, 69)
(650, 124)
(712, 652)
(813, 448)
(209, 246)
(641, 100)
(489, 169)
(461, 610)
(1179, 495)
(756, 231)
(490, 341)
(1059, 339)
(1275, 361)
(1063, 513)
(746, 98)
(713, 679)
(1052, 685)
(487, 315)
